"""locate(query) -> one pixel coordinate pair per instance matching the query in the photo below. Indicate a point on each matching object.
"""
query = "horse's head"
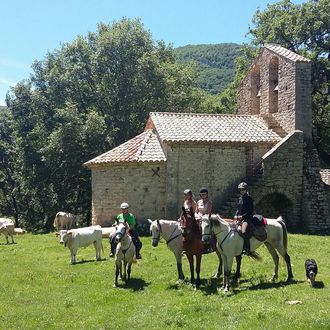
(188, 222)
(120, 232)
(206, 228)
(155, 230)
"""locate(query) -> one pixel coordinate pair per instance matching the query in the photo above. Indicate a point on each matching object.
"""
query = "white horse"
(230, 243)
(125, 252)
(171, 232)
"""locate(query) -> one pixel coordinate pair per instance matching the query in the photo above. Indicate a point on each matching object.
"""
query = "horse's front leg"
(125, 271)
(116, 277)
(178, 257)
(228, 262)
(219, 271)
(191, 265)
(198, 269)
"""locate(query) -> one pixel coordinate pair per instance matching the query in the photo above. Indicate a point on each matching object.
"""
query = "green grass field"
(41, 290)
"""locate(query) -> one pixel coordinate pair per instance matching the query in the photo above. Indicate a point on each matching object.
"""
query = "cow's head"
(65, 236)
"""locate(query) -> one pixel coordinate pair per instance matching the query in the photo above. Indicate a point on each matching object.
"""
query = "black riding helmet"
(203, 191)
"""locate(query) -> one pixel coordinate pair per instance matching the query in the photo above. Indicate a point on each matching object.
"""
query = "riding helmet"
(242, 186)
(124, 206)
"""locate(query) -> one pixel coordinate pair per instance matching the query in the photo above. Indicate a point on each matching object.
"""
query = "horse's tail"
(285, 232)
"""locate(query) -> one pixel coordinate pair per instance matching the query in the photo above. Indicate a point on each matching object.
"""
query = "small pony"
(125, 253)
(311, 271)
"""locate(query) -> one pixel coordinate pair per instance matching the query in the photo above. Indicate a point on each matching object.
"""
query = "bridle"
(171, 238)
(215, 234)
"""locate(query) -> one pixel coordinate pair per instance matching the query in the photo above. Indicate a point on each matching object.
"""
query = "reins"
(171, 238)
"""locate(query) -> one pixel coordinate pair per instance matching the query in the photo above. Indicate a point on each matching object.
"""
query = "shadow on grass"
(270, 285)
(8, 244)
(83, 261)
(318, 285)
(134, 284)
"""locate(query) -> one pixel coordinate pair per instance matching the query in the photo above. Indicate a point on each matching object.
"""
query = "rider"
(127, 218)
(244, 214)
(188, 201)
(204, 205)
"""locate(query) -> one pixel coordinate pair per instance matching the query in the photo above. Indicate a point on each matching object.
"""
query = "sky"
(31, 28)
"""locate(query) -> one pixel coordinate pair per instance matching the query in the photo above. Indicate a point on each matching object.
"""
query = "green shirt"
(129, 218)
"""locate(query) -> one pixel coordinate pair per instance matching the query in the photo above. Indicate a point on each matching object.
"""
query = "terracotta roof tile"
(142, 148)
(286, 53)
(182, 127)
(325, 176)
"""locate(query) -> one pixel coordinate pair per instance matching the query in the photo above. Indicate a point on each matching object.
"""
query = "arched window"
(273, 85)
(255, 90)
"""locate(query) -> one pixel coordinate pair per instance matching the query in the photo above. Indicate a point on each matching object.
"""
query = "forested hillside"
(215, 64)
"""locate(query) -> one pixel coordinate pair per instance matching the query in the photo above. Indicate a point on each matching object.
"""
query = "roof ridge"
(199, 114)
(144, 143)
(287, 53)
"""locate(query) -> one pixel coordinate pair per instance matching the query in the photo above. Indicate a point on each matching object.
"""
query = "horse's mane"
(217, 220)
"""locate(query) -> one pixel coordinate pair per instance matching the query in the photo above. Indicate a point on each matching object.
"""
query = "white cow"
(64, 220)
(107, 231)
(7, 228)
(82, 237)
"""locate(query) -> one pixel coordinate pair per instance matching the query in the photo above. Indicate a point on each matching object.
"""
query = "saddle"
(257, 228)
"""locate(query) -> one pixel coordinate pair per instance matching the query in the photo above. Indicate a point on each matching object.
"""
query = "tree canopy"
(83, 99)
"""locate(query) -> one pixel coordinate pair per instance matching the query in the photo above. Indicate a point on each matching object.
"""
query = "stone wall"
(282, 180)
(316, 214)
(141, 185)
(217, 167)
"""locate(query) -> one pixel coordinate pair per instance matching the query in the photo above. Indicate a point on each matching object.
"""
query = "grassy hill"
(215, 64)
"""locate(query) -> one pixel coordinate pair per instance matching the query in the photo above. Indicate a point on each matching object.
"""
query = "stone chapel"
(267, 144)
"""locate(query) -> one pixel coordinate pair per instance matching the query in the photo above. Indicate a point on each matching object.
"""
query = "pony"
(171, 232)
(230, 243)
(125, 252)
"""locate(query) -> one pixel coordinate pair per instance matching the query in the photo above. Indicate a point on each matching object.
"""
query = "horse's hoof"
(289, 280)
(115, 285)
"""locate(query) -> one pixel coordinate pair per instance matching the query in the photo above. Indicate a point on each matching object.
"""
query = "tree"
(82, 100)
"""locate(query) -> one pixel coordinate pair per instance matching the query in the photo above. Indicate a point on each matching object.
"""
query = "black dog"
(311, 271)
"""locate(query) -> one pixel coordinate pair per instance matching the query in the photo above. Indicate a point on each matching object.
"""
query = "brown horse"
(192, 243)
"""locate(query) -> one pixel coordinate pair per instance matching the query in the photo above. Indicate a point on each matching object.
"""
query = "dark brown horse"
(192, 243)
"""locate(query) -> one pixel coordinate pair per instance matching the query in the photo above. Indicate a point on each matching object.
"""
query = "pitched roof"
(142, 148)
(184, 127)
(286, 53)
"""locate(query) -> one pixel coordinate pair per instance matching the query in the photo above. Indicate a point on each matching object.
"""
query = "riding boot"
(138, 246)
(112, 248)
(246, 246)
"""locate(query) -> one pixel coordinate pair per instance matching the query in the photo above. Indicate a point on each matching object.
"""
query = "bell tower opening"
(273, 85)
